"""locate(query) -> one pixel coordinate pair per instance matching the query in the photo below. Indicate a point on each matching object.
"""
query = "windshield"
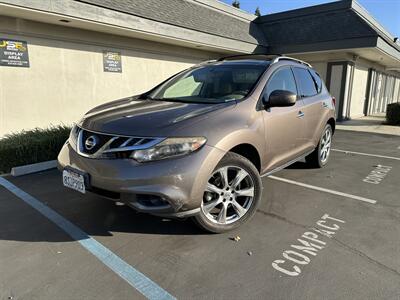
(211, 84)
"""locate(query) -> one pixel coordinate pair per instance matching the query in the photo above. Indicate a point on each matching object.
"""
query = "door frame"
(342, 93)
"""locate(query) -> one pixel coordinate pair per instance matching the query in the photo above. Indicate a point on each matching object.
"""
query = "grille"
(101, 145)
(99, 141)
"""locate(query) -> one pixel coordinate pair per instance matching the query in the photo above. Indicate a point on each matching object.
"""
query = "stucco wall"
(320, 67)
(66, 77)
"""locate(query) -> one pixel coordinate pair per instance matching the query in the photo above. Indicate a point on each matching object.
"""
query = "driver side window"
(282, 79)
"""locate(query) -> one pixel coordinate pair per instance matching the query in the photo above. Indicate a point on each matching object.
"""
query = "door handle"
(300, 114)
(324, 104)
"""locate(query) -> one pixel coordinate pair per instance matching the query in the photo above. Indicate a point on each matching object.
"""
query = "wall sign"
(112, 61)
(14, 53)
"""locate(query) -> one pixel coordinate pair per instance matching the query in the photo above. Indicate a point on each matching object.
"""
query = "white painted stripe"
(366, 154)
(321, 189)
(139, 281)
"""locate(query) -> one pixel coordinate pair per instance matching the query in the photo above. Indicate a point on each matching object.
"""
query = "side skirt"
(287, 164)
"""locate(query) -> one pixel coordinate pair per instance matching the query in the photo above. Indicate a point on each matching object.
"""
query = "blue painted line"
(139, 281)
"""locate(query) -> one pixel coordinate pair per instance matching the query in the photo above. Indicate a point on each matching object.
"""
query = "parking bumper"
(179, 181)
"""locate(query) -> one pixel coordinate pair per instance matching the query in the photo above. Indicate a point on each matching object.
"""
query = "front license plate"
(74, 181)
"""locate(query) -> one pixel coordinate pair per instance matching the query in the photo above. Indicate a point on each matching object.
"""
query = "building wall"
(321, 68)
(66, 77)
(384, 86)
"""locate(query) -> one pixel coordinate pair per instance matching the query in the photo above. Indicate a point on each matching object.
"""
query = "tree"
(257, 12)
(236, 3)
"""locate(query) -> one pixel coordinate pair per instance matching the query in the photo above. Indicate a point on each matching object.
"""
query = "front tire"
(232, 195)
(320, 156)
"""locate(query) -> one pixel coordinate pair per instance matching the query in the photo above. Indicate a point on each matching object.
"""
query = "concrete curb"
(33, 168)
(368, 129)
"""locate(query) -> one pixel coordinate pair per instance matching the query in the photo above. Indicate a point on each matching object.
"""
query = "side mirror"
(280, 98)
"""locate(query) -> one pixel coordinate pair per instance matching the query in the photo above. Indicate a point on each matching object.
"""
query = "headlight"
(170, 147)
(73, 136)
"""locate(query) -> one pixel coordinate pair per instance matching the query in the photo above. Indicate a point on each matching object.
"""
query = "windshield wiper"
(171, 100)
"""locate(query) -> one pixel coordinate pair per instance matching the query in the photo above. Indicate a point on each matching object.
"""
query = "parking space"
(303, 243)
(367, 142)
(370, 177)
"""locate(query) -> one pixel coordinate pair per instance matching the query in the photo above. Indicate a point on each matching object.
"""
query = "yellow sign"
(12, 45)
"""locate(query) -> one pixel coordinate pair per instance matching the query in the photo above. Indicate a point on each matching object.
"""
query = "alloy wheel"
(326, 145)
(228, 196)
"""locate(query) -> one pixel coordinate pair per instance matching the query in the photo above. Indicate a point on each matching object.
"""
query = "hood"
(136, 117)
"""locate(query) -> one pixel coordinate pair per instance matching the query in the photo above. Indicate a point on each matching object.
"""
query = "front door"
(284, 126)
(310, 87)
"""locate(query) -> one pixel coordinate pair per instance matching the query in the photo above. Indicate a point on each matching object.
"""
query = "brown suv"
(198, 143)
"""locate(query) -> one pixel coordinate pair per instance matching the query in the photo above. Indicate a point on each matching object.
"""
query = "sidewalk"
(373, 124)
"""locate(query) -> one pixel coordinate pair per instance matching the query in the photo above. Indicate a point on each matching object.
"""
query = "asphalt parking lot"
(329, 233)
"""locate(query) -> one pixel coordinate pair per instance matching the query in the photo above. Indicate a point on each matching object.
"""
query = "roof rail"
(245, 55)
(277, 59)
(205, 62)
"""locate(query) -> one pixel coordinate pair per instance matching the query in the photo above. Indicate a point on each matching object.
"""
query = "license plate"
(74, 181)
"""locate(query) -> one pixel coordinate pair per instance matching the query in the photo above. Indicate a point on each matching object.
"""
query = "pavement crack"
(366, 257)
(275, 216)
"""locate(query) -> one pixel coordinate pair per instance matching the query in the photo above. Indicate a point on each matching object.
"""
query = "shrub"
(393, 113)
(28, 147)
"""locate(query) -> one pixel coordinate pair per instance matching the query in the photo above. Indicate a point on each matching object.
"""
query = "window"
(306, 82)
(317, 80)
(211, 84)
(281, 80)
(183, 88)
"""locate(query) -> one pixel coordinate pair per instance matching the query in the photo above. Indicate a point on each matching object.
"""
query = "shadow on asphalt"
(94, 215)
(300, 165)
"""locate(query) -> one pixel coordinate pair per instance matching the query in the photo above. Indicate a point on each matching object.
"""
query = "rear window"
(305, 81)
(317, 80)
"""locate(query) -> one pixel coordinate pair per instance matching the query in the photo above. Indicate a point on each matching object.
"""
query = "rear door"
(284, 126)
(310, 93)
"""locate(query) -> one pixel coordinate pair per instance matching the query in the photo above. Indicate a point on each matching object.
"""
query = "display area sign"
(112, 61)
(14, 53)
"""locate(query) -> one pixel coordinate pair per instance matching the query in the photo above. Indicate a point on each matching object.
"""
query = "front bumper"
(178, 182)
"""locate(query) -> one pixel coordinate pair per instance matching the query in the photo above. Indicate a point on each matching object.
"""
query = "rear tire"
(232, 195)
(320, 156)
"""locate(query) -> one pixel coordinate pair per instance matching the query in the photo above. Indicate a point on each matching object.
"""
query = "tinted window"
(281, 80)
(317, 80)
(306, 82)
(211, 84)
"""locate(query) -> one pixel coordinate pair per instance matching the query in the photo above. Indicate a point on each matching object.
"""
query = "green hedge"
(393, 114)
(28, 147)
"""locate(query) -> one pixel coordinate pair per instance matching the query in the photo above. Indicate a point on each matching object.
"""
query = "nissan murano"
(198, 144)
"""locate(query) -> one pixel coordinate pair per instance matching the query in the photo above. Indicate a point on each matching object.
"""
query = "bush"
(393, 114)
(33, 146)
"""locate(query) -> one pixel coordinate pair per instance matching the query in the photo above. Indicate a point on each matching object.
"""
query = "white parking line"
(366, 154)
(136, 279)
(317, 188)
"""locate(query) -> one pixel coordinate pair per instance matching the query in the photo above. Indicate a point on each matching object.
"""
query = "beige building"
(59, 58)
(358, 59)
